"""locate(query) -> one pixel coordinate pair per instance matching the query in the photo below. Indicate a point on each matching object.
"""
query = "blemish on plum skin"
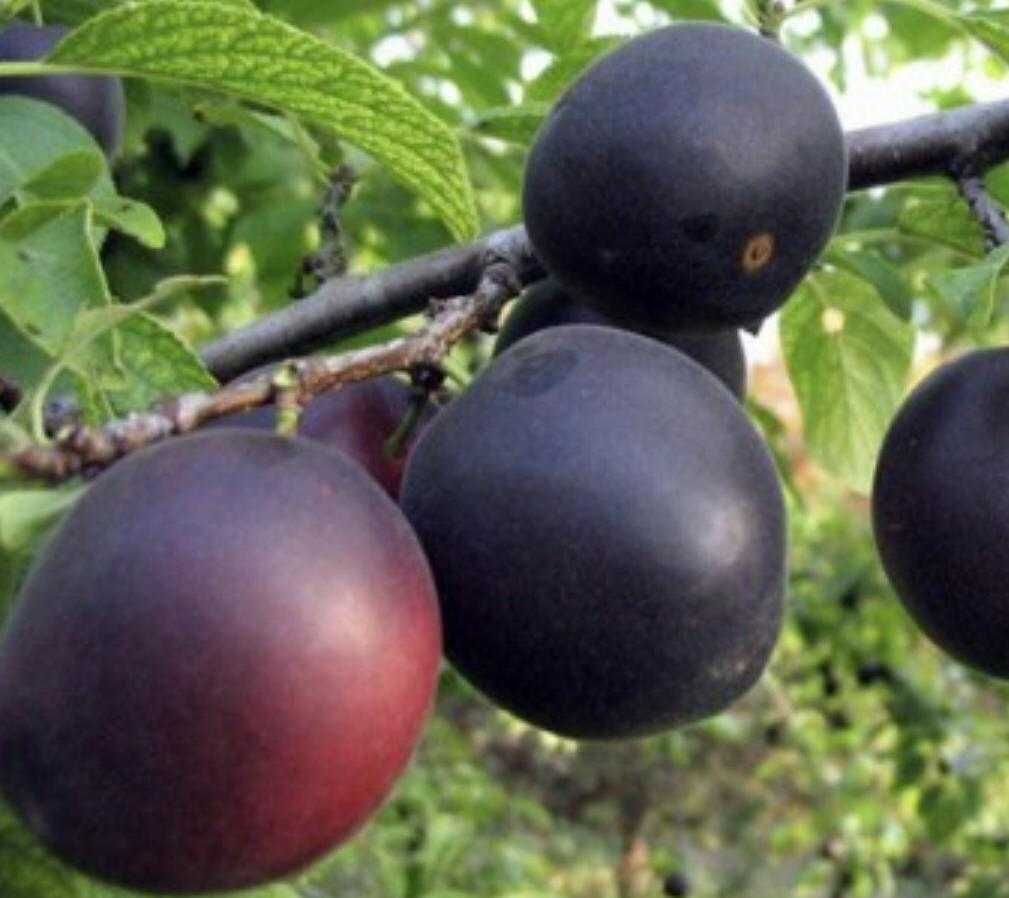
(758, 252)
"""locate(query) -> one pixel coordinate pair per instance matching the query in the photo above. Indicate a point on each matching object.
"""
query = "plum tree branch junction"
(973, 137)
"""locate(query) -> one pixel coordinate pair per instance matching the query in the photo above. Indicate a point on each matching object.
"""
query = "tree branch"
(354, 304)
(937, 144)
(986, 210)
(79, 449)
(481, 277)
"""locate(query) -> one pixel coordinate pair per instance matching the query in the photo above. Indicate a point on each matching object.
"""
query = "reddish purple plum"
(219, 665)
(358, 419)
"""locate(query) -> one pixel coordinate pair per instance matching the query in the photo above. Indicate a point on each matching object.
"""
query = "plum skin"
(941, 511)
(357, 419)
(688, 180)
(547, 304)
(219, 666)
(606, 532)
(97, 102)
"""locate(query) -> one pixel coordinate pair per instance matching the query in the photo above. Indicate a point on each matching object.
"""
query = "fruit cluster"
(222, 661)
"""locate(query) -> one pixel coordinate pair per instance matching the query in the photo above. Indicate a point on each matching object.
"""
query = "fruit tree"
(504, 448)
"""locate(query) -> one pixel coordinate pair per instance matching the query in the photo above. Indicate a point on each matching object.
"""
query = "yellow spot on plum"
(758, 252)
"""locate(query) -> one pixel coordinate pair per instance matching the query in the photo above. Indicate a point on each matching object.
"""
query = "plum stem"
(395, 446)
(289, 402)
(769, 15)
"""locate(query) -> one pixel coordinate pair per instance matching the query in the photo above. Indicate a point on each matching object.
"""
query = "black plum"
(219, 665)
(547, 304)
(687, 180)
(358, 419)
(98, 103)
(941, 508)
(606, 531)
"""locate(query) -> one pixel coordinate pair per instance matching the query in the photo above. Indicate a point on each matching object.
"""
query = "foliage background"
(864, 763)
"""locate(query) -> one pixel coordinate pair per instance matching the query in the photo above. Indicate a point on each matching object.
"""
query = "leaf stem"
(28, 69)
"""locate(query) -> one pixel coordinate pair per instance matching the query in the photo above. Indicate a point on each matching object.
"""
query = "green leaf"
(26, 515)
(125, 360)
(73, 12)
(28, 219)
(35, 139)
(131, 217)
(55, 315)
(911, 765)
(564, 23)
(162, 108)
(991, 29)
(943, 218)
(12, 437)
(278, 240)
(972, 290)
(252, 122)
(48, 274)
(143, 361)
(553, 80)
(943, 809)
(71, 176)
(692, 9)
(873, 267)
(20, 358)
(848, 358)
(515, 124)
(997, 182)
(263, 60)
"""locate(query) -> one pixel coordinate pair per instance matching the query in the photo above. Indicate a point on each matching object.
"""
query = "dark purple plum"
(547, 304)
(98, 103)
(606, 532)
(940, 508)
(688, 180)
(219, 666)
